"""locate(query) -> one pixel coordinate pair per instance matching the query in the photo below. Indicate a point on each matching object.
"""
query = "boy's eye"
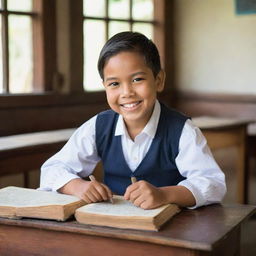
(138, 79)
(113, 84)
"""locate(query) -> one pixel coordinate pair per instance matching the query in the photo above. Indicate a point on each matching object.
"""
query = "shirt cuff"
(61, 181)
(200, 200)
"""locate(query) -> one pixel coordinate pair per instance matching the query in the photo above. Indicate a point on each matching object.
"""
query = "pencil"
(133, 179)
(92, 178)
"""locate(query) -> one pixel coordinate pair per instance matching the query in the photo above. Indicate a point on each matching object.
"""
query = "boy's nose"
(127, 90)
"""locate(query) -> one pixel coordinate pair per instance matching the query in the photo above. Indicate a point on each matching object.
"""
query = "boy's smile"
(130, 106)
(131, 89)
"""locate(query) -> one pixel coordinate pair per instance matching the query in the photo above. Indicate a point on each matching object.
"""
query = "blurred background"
(48, 66)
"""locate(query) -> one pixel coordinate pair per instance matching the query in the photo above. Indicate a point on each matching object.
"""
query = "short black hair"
(134, 42)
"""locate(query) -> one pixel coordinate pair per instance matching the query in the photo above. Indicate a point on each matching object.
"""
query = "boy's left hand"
(145, 195)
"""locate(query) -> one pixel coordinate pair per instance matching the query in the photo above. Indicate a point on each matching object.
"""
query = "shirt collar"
(149, 129)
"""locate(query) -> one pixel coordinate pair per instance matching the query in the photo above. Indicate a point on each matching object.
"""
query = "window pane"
(1, 59)
(142, 10)
(94, 8)
(94, 39)
(119, 9)
(19, 5)
(116, 27)
(144, 28)
(20, 52)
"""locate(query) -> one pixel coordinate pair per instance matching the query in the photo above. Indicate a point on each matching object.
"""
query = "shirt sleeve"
(204, 177)
(76, 159)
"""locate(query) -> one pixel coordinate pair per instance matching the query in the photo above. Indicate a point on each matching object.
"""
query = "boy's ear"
(160, 80)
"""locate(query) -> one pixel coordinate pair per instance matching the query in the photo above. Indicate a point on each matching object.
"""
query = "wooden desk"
(26, 152)
(252, 140)
(222, 133)
(211, 230)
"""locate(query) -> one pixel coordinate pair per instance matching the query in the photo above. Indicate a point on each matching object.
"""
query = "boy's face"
(131, 87)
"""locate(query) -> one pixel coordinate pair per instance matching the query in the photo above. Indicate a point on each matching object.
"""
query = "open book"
(16, 202)
(123, 214)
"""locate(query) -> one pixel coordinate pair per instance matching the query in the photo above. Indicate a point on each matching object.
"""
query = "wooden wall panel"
(47, 114)
(195, 104)
(23, 114)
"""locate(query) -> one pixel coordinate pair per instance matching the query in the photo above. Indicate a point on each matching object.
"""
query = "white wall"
(215, 49)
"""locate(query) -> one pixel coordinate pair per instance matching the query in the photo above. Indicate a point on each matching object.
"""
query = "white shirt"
(194, 161)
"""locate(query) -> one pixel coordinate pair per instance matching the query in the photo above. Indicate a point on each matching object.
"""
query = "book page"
(23, 197)
(120, 207)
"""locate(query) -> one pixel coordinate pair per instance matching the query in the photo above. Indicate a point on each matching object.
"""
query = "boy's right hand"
(89, 191)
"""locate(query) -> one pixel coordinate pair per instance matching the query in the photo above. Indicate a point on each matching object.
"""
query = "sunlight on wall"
(215, 49)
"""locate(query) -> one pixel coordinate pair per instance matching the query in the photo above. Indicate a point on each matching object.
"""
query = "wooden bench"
(252, 140)
(26, 152)
(224, 133)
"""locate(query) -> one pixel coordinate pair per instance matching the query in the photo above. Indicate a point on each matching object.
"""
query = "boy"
(138, 137)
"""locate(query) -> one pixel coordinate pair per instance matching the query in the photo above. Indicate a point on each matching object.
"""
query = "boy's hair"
(130, 42)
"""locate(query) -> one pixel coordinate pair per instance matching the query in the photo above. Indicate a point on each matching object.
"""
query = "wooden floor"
(225, 158)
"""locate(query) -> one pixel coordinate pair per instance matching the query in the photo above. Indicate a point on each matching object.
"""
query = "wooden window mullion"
(44, 45)
(107, 19)
(5, 47)
(130, 15)
(38, 47)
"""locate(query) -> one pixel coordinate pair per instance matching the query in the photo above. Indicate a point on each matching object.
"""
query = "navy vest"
(158, 166)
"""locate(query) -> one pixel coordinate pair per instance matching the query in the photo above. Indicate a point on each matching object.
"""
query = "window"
(103, 19)
(16, 59)
(25, 45)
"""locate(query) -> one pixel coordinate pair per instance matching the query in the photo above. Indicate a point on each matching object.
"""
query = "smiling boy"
(138, 137)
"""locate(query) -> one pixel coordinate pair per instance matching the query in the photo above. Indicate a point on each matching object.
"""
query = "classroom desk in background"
(211, 230)
(25, 152)
(224, 133)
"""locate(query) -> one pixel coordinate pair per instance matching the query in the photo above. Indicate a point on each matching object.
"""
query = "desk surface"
(201, 229)
(8, 143)
(37, 138)
(210, 122)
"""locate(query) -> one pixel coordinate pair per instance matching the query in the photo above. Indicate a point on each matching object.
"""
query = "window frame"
(48, 84)
(43, 39)
(108, 19)
(130, 20)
